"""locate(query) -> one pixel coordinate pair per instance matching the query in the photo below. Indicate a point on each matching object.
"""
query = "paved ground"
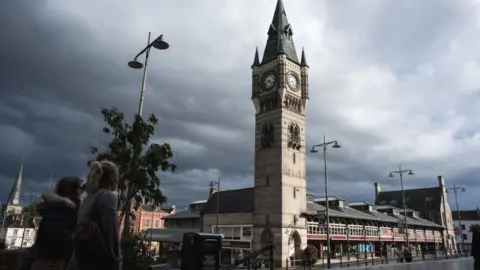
(451, 264)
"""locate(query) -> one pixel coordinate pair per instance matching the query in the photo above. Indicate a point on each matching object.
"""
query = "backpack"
(88, 240)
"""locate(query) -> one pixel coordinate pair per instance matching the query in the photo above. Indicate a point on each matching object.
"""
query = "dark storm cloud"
(66, 61)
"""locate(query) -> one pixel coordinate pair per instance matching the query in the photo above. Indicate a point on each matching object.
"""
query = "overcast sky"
(395, 82)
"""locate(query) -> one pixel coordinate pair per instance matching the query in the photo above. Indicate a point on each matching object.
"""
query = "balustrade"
(371, 231)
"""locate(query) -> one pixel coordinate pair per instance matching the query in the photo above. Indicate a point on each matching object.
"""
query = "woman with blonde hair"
(96, 238)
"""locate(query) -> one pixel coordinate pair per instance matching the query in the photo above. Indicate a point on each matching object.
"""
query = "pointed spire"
(14, 198)
(280, 37)
(304, 59)
(256, 60)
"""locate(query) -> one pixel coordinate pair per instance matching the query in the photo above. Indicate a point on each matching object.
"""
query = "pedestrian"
(408, 255)
(96, 238)
(400, 254)
(53, 245)
(476, 246)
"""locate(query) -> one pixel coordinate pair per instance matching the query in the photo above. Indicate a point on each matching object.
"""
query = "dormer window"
(382, 203)
(393, 202)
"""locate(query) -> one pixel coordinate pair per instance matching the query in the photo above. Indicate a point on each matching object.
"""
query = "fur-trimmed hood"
(52, 198)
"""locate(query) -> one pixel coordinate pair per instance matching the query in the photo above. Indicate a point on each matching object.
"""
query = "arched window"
(267, 135)
(294, 135)
(266, 238)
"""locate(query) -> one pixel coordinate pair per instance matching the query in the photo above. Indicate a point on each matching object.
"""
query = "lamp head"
(313, 151)
(464, 189)
(135, 64)
(410, 172)
(160, 44)
(390, 175)
(336, 145)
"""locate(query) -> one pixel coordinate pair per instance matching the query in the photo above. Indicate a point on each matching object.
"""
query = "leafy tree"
(138, 159)
(31, 210)
(136, 252)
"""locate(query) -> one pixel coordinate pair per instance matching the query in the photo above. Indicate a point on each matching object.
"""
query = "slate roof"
(467, 215)
(184, 214)
(280, 37)
(231, 201)
(416, 199)
(167, 235)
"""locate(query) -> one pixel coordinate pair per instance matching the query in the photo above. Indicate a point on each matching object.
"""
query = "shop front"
(232, 251)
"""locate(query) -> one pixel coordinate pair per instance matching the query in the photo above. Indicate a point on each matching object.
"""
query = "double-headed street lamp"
(455, 190)
(401, 172)
(324, 146)
(159, 44)
(213, 184)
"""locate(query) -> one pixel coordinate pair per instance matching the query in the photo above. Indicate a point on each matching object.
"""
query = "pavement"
(451, 264)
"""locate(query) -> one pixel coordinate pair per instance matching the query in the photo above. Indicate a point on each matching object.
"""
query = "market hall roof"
(421, 199)
(231, 201)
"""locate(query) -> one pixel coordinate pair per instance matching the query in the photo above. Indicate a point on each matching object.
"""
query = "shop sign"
(236, 244)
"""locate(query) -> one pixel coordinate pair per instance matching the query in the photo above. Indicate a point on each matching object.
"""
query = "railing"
(372, 231)
(365, 259)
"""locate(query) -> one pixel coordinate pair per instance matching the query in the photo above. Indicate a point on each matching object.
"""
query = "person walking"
(96, 238)
(53, 245)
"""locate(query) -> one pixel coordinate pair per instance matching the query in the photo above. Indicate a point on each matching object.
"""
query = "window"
(294, 158)
(465, 237)
(393, 202)
(294, 192)
(463, 227)
(268, 181)
(147, 223)
(157, 223)
(13, 242)
(227, 232)
(247, 232)
(237, 233)
(24, 243)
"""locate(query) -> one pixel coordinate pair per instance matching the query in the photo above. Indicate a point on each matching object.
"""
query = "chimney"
(441, 181)
(377, 190)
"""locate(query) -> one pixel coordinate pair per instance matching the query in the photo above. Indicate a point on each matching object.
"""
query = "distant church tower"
(280, 94)
(13, 204)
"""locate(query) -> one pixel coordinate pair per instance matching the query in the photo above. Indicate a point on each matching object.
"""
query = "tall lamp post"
(159, 44)
(401, 172)
(324, 146)
(455, 190)
(213, 184)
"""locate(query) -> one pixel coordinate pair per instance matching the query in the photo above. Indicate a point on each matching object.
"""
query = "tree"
(31, 210)
(138, 160)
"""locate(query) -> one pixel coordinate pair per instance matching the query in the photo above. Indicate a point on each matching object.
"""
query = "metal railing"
(366, 259)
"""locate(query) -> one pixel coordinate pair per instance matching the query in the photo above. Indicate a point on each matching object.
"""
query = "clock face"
(269, 81)
(292, 81)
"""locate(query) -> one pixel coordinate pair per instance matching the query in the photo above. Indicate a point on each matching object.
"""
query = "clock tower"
(279, 95)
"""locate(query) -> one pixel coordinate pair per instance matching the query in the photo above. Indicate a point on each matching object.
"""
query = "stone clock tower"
(280, 94)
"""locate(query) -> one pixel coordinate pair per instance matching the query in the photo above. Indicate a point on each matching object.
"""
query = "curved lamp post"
(324, 146)
(401, 172)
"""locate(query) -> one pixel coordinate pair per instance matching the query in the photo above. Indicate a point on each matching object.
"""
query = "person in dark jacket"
(53, 244)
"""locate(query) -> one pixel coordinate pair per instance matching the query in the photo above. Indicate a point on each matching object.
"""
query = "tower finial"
(304, 59)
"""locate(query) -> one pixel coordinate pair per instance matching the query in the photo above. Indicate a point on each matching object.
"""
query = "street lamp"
(401, 172)
(455, 190)
(159, 44)
(213, 184)
(324, 146)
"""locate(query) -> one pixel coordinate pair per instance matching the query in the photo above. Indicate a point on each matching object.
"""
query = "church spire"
(14, 198)
(280, 37)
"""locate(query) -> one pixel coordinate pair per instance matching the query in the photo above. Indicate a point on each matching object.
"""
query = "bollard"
(286, 263)
(373, 262)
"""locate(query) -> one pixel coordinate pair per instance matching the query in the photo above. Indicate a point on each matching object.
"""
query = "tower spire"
(256, 60)
(280, 37)
(14, 198)
(304, 59)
